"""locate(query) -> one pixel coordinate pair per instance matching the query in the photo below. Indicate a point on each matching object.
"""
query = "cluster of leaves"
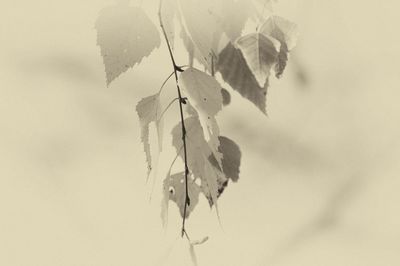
(211, 31)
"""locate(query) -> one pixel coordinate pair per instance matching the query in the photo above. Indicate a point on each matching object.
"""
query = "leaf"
(149, 110)
(226, 97)
(175, 187)
(125, 35)
(201, 28)
(198, 152)
(231, 158)
(231, 16)
(203, 91)
(260, 53)
(286, 33)
(168, 12)
(234, 70)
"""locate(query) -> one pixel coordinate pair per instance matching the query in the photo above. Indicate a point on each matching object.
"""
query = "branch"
(181, 102)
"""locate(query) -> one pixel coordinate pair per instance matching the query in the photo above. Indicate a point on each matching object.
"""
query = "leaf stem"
(181, 102)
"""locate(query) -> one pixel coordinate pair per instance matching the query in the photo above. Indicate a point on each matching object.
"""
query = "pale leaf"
(260, 52)
(201, 27)
(286, 33)
(231, 16)
(125, 35)
(234, 70)
(149, 110)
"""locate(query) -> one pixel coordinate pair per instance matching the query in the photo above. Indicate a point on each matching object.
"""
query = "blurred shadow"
(278, 147)
(66, 66)
(327, 219)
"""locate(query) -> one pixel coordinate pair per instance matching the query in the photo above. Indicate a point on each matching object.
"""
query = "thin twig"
(165, 82)
(166, 109)
(181, 102)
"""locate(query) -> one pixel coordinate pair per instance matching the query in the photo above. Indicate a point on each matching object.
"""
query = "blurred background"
(319, 177)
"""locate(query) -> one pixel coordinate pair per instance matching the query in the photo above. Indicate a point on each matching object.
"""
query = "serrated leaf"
(175, 187)
(231, 158)
(198, 152)
(286, 33)
(125, 35)
(234, 70)
(260, 52)
(204, 93)
(168, 12)
(149, 110)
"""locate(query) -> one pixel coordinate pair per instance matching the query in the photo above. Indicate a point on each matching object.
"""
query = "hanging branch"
(182, 101)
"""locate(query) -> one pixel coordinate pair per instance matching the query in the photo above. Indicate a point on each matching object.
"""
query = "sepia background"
(319, 178)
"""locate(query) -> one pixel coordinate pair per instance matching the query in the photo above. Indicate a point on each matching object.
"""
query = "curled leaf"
(286, 33)
(149, 110)
(260, 52)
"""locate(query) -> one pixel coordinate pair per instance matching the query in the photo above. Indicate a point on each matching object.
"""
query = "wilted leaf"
(175, 187)
(234, 70)
(286, 33)
(125, 35)
(260, 53)
(149, 110)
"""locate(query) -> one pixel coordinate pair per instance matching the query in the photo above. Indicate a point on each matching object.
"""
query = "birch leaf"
(204, 92)
(260, 52)
(286, 33)
(231, 16)
(176, 190)
(149, 110)
(234, 70)
(125, 35)
(231, 158)
(198, 152)
(201, 27)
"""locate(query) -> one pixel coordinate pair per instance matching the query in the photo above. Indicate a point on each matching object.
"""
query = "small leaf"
(149, 110)
(175, 187)
(234, 70)
(260, 53)
(286, 33)
(226, 97)
(125, 35)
